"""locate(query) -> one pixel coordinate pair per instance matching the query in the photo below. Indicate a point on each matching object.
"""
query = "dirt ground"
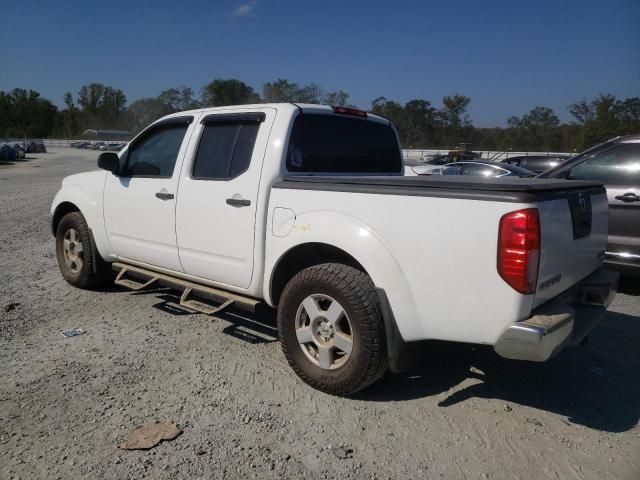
(65, 404)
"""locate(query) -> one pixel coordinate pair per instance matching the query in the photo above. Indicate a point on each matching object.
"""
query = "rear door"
(139, 203)
(216, 211)
(619, 169)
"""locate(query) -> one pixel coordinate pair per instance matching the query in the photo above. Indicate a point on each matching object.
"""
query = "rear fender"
(358, 240)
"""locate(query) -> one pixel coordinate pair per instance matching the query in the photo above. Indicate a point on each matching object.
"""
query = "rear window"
(336, 144)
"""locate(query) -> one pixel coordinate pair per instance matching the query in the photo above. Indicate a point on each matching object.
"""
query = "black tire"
(356, 294)
(79, 274)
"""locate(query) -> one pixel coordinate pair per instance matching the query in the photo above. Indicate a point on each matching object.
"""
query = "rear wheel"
(331, 329)
(74, 253)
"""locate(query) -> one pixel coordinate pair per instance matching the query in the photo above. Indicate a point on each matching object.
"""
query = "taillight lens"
(519, 249)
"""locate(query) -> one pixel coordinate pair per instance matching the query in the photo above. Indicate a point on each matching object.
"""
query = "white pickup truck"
(306, 208)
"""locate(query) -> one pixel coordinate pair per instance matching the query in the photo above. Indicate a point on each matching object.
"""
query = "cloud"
(245, 9)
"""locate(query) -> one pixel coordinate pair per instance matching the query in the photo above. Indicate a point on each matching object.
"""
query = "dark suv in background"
(617, 164)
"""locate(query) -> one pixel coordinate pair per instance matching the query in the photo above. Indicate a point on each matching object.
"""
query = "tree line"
(420, 124)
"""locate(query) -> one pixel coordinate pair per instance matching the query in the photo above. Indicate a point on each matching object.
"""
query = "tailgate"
(574, 227)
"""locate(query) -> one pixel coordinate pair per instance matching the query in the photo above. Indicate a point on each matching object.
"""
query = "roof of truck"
(306, 107)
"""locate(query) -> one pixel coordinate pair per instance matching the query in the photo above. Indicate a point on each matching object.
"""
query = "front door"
(218, 196)
(140, 202)
(619, 169)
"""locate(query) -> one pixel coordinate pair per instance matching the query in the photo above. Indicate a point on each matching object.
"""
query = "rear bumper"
(624, 262)
(565, 320)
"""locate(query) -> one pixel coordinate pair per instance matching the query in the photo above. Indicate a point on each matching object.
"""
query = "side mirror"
(109, 161)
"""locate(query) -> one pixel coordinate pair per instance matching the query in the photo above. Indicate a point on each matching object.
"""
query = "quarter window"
(225, 150)
(618, 166)
(154, 154)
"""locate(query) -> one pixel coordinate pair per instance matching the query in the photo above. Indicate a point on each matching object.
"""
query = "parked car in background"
(7, 153)
(36, 146)
(424, 165)
(536, 163)
(96, 145)
(111, 147)
(477, 168)
(616, 163)
(20, 150)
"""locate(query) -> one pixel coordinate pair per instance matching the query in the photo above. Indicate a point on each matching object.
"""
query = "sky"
(508, 56)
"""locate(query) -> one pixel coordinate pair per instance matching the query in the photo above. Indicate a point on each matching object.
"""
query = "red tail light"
(350, 111)
(519, 249)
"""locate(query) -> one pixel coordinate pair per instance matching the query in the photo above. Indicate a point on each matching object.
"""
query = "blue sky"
(508, 56)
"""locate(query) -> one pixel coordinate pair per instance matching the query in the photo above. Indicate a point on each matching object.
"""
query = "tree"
(178, 99)
(336, 99)
(454, 111)
(281, 90)
(69, 117)
(536, 130)
(222, 92)
(145, 111)
(102, 106)
(582, 111)
(25, 114)
(605, 123)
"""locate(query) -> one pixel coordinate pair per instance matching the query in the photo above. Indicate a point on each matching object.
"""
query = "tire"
(74, 253)
(344, 306)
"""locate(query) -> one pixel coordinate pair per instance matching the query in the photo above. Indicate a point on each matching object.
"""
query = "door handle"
(164, 195)
(238, 202)
(628, 197)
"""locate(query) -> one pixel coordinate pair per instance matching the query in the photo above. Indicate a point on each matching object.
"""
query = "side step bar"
(199, 298)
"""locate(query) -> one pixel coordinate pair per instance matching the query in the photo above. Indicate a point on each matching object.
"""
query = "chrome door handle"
(628, 197)
(164, 195)
(238, 202)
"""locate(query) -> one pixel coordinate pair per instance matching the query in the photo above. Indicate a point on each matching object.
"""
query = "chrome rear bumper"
(564, 321)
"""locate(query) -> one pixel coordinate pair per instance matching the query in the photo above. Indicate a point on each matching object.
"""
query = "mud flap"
(402, 355)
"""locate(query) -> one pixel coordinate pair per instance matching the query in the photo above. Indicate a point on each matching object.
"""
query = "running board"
(197, 297)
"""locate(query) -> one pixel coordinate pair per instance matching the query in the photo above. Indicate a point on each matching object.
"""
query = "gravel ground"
(465, 413)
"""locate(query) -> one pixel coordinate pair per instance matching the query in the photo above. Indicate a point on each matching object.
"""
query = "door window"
(225, 150)
(154, 154)
(480, 170)
(618, 166)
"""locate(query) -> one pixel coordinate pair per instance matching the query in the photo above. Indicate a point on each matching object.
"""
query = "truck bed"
(520, 190)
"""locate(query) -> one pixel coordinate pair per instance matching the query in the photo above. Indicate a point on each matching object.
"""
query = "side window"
(618, 166)
(225, 150)
(155, 153)
(477, 170)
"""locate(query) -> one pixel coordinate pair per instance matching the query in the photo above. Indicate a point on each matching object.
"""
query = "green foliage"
(219, 93)
(419, 123)
(178, 99)
(25, 114)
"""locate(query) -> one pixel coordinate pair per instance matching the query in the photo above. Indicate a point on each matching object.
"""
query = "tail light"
(519, 249)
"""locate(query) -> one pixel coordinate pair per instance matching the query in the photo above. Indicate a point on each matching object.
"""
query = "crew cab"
(305, 208)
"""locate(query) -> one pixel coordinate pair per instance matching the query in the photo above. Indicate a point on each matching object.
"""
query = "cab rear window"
(326, 143)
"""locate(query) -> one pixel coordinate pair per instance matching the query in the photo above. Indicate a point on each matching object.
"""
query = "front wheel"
(73, 249)
(331, 329)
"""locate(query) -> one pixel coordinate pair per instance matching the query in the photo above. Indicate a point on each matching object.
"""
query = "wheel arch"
(303, 256)
(60, 211)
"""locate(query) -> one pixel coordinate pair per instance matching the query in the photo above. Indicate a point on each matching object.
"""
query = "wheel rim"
(72, 250)
(324, 332)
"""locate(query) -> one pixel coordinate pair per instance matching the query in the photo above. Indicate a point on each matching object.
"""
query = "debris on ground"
(342, 452)
(11, 306)
(74, 332)
(534, 421)
(149, 435)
